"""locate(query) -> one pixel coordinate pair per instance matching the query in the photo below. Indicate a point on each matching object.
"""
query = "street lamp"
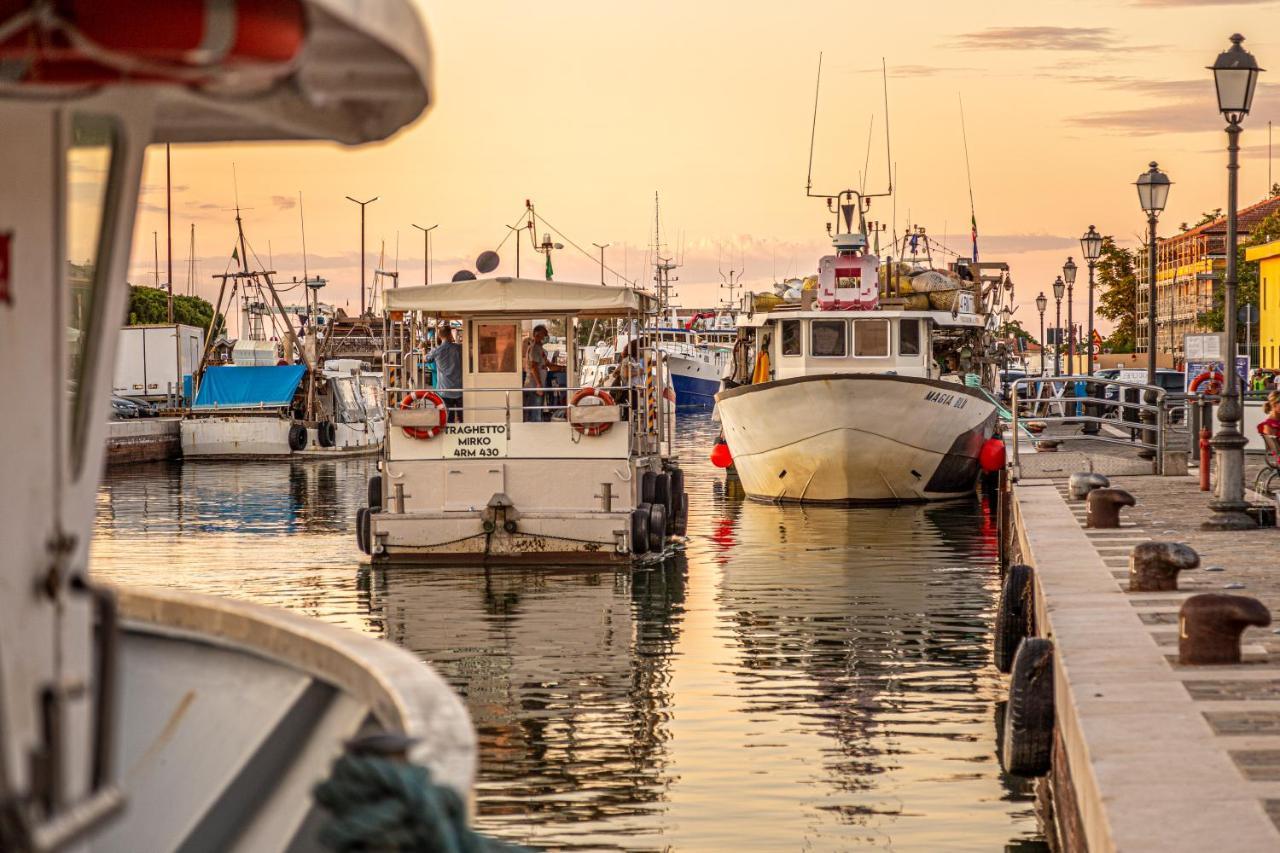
(426, 251)
(1059, 287)
(1042, 302)
(1091, 248)
(602, 247)
(1069, 276)
(1153, 191)
(1235, 75)
(362, 206)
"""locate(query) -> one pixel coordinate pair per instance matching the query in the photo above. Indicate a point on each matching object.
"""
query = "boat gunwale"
(740, 390)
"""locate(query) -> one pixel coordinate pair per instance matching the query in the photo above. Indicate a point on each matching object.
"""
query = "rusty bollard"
(1154, 566)
(1080, 485)
(1104, 507)
(1210, 625)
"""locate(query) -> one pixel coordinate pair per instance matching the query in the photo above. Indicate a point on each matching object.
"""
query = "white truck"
(152, 360)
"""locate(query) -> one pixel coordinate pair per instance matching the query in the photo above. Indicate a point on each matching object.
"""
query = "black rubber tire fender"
(362, 529)
(375, 492)
(663, 494)
(640, 529)
(1014, 615)
(657, 527)
(327, 434)
(680, 525)
(297, 437)
(677, 481)
(648, 487)
(1029, 717)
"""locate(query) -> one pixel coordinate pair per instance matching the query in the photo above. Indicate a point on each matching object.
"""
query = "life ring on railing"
(410, 401)
(602, 398)
(1213, 378)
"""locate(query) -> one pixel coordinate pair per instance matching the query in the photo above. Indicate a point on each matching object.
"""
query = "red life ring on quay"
(1213, 378)
(605, 400)
(411, 401)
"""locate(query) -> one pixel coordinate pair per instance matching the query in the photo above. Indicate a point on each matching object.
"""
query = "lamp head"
(1042, 302)
(1059, 288)
(1091, 245)
(1069, 272)
(1235, 76)
(1153, 189)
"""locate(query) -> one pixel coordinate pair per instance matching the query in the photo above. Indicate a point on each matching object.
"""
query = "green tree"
(1014, 329)
(1118, 294)
(1264, 231)
(149, 305)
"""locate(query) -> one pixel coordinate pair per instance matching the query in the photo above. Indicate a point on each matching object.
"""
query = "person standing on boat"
(447, 357)
(535, 375)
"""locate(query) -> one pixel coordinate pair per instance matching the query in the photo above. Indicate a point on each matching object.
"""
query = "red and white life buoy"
(1212, 379)
(601, 398)
(412, 400)
(87, 42)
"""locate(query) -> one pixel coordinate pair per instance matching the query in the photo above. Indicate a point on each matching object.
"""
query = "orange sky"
(587, 108)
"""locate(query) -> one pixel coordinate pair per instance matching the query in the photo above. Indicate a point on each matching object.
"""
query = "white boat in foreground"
(851, 395)
(134, 720)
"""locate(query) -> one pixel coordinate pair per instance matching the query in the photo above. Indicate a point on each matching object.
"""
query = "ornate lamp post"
(1235, 75)
(1059, 288)
(1069, 276)
(1042, 303)
(1091, 248)
(1153, 191)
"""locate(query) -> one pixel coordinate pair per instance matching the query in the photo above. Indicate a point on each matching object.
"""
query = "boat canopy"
(243, 387)
(505, 295)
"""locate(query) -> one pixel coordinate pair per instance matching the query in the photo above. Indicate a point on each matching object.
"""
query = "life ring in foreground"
(412, 400)
(597, 397)
(1213, 378)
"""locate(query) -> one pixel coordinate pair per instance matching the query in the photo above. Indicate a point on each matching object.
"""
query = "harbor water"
(800, 678)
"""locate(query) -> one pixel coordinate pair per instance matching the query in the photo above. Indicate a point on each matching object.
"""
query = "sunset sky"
(588, 108)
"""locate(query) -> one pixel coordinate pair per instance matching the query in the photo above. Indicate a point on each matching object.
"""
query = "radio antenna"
(973, 216)
(813, 131)
(888, 148)
(866, 163)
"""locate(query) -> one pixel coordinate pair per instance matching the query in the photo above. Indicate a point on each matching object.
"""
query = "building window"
(908, 337)
(828, 338)
(790, 330)
(871, 338)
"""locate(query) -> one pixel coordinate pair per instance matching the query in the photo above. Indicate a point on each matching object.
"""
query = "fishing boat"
(130, 719)
(871, 386)
(696, 351)
(511, 473)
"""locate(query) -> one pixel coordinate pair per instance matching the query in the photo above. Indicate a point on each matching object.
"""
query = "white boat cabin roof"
(520, 296)
(939, 318)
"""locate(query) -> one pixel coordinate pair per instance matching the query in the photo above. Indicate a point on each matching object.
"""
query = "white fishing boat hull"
(856, 437)
(256, 436)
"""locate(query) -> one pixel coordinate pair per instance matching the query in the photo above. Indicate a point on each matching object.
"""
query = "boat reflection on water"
(566, 672)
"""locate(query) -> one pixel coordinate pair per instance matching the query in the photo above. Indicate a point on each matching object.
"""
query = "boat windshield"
(348, 405)
(371, 396)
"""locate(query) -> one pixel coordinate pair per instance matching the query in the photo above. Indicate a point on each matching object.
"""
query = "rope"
(378, 804)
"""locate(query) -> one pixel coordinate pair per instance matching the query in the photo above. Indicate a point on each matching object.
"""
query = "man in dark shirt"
(447, 357)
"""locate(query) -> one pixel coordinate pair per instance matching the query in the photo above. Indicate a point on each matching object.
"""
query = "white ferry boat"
(859, 391)
(131, 719)
(585, 473)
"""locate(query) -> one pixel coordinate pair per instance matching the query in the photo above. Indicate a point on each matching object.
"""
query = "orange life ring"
(410, 401)
(1214, 379)
(605, 400)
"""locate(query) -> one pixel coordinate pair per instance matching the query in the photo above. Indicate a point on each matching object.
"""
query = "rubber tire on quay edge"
(375, 491)
(677, 481)
(1029, 717)
(662, 493)
(1013, 616)
(640, 529)
(362, 529)
(657, 528)
(681, 523)
(297, 437)
(326, 434)
(648, 487)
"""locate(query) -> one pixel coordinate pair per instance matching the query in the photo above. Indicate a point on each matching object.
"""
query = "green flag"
(235, 254)
(550, 271)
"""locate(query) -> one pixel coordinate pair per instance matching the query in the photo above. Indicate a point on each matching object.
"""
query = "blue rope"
(379, 804)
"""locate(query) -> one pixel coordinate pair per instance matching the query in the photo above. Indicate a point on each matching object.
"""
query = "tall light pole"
(1059, 287)
(1042, 302)
(1091, 248)
(1235, 75)
(602, 247)
(426, 251)
(1153, 191)
(1069, 276)
(362, 206)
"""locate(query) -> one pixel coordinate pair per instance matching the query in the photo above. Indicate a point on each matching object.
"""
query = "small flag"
(973, 226)
(550, 271)
(235, 254)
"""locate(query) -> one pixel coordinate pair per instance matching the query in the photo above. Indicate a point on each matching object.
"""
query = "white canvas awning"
(520, 296)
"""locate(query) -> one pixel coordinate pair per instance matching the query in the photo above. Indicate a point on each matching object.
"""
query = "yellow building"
(1267, 257)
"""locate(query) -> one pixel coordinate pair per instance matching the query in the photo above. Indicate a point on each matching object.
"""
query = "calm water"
(800, 679)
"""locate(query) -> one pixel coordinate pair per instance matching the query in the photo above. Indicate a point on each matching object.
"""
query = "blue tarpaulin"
(237, 387)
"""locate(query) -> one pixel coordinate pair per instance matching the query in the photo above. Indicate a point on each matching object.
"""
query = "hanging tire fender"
(1027, 738)
(297, 437)
(648, 487)
(1014, 615)
(362, 529)
(375, 492)
(640, 529)
(657, 527)
(664, 494)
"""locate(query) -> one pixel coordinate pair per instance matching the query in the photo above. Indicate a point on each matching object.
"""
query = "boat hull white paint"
(856, 437)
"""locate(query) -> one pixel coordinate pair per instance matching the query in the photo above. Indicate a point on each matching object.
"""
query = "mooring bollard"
(1210, 625)
(1154, 566)
(1081, 484)
(1104, 507)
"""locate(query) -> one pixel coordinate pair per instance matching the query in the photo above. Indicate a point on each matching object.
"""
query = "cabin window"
(829, 338)
(90, 168)
(496, 347)
(908, 337)
(790, 337)
(871, 338)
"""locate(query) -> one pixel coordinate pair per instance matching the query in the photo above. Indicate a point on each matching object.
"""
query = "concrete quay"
(143, 440)
(1151, 754)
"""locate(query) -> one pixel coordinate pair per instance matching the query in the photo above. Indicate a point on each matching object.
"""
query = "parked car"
(1007, 378)
(122, 409)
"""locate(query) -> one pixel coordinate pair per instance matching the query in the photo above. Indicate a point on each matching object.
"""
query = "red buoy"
(720, 455)
(991, 456)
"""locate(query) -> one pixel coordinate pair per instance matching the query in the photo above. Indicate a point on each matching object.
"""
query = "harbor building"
(1267, 257)
(1188, 268)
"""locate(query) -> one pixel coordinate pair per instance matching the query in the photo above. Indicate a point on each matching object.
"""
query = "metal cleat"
(1210, 625)
(1104, 507)
(1084, 482)
(1154, 566)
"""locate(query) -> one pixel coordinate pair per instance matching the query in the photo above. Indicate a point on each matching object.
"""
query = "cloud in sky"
(1040, 38)
(1197, 3)
(1187, 106)
(284, 202)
